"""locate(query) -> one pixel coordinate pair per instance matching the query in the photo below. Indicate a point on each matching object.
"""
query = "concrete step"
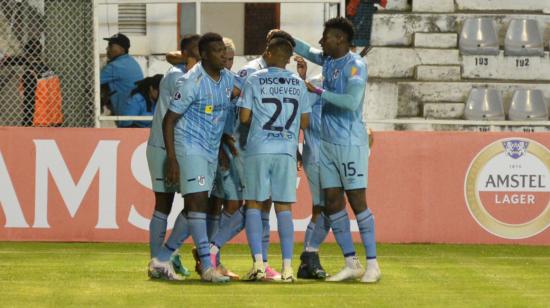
(397, 29)
(438, 72)
(387, 62)
(440, 6)
(412, 95)
(443, 110)
(435, 40)
(506, 68)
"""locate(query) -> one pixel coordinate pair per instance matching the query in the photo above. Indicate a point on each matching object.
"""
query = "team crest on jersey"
(177, 96)
(201, 179)
(243, 73)
(209, 109)
(336, 74)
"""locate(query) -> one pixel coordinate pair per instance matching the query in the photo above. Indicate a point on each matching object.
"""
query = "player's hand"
(301, 67)
(313, 89)
(230, 142)
(172, 172)
(223, 160)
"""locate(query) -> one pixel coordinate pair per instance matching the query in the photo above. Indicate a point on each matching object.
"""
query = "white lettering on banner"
(8, 200)
(103, 161)
(140, 171)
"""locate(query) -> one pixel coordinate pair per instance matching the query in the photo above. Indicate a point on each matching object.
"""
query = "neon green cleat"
(178, 266)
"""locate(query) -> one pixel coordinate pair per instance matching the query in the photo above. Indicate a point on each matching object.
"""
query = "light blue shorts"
(344, 166)
(313, 173)
(268, 175)
(228, 185)
(156, 159)
(196, 173)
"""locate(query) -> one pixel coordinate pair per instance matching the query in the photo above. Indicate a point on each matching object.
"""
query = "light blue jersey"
(344, 78)
(167, 89)
(277, 98)
(121, 74)
(202, 103)
(312, 134)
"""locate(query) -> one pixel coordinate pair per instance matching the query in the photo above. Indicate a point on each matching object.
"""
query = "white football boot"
(351, 271)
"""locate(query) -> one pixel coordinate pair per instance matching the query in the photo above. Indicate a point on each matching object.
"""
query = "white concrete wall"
(227, 19)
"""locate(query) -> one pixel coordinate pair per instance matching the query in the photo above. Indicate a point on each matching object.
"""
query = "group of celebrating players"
(220, 138)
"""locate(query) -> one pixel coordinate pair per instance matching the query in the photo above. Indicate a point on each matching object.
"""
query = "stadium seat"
(528, 105)
(484, 104)
(479, 37)
(523, 38)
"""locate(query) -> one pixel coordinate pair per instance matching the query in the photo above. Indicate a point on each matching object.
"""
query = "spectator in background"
(39, 87)
(142, 101)
(119, 76)
(360, 13)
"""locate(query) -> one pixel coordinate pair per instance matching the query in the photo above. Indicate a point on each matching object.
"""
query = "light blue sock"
(157, 232)
(322, 227)
(265, 234)
(179, 234)
(212, 225)
(340, 225)
(231, 226)
(309, 233)
(253, 223)
(286, 233)
(197, 226)
(365, 221)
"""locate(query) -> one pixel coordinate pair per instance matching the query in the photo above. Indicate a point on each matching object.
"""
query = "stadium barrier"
(79, 184)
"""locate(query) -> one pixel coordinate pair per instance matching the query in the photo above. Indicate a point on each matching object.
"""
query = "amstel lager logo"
(507, 188)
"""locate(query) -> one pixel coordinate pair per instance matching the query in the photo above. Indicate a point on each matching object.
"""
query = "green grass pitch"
(102, 275)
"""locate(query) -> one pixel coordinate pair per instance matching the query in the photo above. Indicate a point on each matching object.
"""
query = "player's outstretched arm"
(350, 100)
(245, 116)
(312, 54)
(172, 167)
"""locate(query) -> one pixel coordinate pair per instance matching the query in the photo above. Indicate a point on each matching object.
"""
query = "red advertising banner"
(65, 184)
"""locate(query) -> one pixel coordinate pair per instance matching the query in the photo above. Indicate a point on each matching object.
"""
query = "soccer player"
(156, 159)
(344, 144)
(227, 189)
(192, 129)
(242, 131)
(310, 266)
(274, 103)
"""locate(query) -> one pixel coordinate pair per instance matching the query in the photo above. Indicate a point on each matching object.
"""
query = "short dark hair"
(207, 39)
(284, 35)
(187, 40)
(342, 24)
(280, 45)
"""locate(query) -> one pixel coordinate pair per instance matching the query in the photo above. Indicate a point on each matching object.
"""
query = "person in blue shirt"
(156, 159)
(122, 71)
(192, 129)
(274, 104)
(344, 144)
(142, 102)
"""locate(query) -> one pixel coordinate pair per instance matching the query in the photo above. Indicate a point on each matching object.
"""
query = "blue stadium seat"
(479, 37)
(528, 105)
(523, 38)
(484, 104)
